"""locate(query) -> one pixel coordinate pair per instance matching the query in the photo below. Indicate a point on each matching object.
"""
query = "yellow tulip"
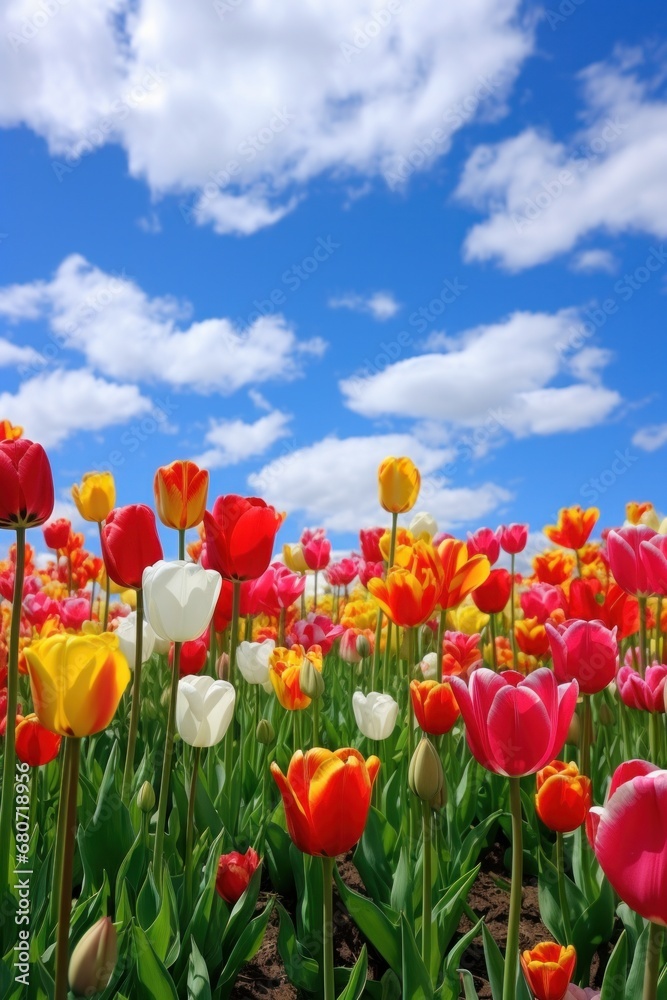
(76, 681)
(398, 484)
(294, 559)
(96, 495)
(285, 674)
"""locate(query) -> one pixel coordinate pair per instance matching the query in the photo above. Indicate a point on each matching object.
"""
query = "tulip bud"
(606, 715)
(311, 681)
(94, 958)
(425, 775)
(363, 646)
(265, 732)
(146, 797)
(222, 666)
(165, 698)
(574, 732)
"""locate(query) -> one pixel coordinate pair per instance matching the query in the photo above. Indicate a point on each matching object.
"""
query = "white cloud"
(12, 354)
(125, 334)
(235, 441)
(255, 100)
(53, 406)
(379, 305)
(334, 483)
(589, 261)
(650, 438)
(461, 385)
(543, 196)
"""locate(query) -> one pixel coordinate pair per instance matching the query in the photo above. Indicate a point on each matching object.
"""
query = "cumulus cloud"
(589, 261)
(542, 196)
(123, 333)
(334, 482)
(379, 305)
(234, 441)
(461, 386)
(650, 438)
(235, 107)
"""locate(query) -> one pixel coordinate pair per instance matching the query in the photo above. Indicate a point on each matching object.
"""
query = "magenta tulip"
(316, 549)
(513, 538)
(624, 550)
(629, 837)
(277, 588)
(484, 542)
(584, 651)
(515, 724)
(541, 601)
(648, 694)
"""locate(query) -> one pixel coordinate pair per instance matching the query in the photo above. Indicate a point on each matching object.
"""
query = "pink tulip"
(341, 574)
(277, 588)
(581, 993)
(653, 554)
(624, 551)
(369, 539)
(513, 538)
(316, 549)
(369, 571)
(316, 630)
(629, 837)
(74, 611)
(542, 600)
(38, 607)
(584, 651)
(515, 724)
(648, 695)
(484, 542)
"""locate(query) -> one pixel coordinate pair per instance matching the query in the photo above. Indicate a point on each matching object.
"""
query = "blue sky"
(289, 242)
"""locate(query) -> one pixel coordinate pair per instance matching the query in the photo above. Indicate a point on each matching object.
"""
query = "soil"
(264, 977)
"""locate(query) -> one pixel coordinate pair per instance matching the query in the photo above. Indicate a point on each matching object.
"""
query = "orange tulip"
(548, 968)
(553, 566)
(435, 706)
(284, 673)
(531, 637)
(326, 796)
(642, 513)
(9, 431)
(409, 594)
(460, 574)
(573, 528)
(180, 491)
(563, 796)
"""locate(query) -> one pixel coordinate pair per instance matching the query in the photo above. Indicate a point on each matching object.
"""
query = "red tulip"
(56, 533)
(514, 724)
(542, 600)
(277, 588)
(240, 532)
(513, 538)
(629, 837)
(492, 596)
(584, 651)
(26, 484)
(625, 557)
(193, 656)
(36, 745)
(369, 539)
(434, 706)
(484, 542)
(648, 695)
(234, 873)
(316, 549)
(130, 544)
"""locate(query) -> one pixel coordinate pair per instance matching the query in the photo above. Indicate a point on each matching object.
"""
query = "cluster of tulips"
(179, 733)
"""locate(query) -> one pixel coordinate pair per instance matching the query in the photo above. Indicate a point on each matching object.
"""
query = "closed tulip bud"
(311, 681)
(423, 524)
(165, 698)
(126, 630)
(548, 968)
(222, 667)
(574, 731)
(363, 646)
(96, 496)
(94, 958)
(146, 797)
(265, 733)
(26, 484)
(398, 484)
(180, 598)
(204, 710)
(375, 714)
(425, 775)
(180, 494)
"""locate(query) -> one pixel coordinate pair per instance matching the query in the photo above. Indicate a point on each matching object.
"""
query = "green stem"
(392, 556)
(281, 627)
(316, 722)
(562, 898)
(158, 847)
(513, 616)
(107, 589)
(654, 736)
(439, 639)
(9, 766)
(233, 645)
(494, 651)
(377, 652)
(59, 846)
(327, 928)
(641, 599)
(586, 738)
(71, 768)
(652, 966)
(128, 773)
(190, 829)
(512, 950)
(181, 544)
(426, 885)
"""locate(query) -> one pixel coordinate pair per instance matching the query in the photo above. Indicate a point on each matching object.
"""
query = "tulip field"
(222, 748)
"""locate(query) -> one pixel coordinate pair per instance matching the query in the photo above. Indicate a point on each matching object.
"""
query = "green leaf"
(164, 933)
(276, 847)
(199, 987)
(301, 970)
(549, 899)
(447, 911)
(466, 858)
(357, 981)
(593, 928)
(245, 948)
(416, 980)
(243, 910)
(384, 935)
(613, 984)
(401, 893)
(155, 981)
(634, 985)
(495, 963)
(468, 984)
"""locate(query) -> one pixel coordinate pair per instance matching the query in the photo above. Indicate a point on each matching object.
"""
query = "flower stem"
(426, 885)
(181, 544)
(71, 769)
(327, 928)
(641, 599)
(190, 829)
(158, 847)
(136, 692)
(233, 645)
(513, 616)
(494, 651)
(438, 646)
(9, 766)
(107, 590)
(392, 556)
(652, 966)
(562, 898)
(512, 949)
(61, 833)
(586, 738)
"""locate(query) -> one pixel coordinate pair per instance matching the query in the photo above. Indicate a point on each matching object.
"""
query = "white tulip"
(375, 714)
(180, 598)
(423, 524)
(204, 710)
(429, 666)
(126, 630)
(252, 659)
